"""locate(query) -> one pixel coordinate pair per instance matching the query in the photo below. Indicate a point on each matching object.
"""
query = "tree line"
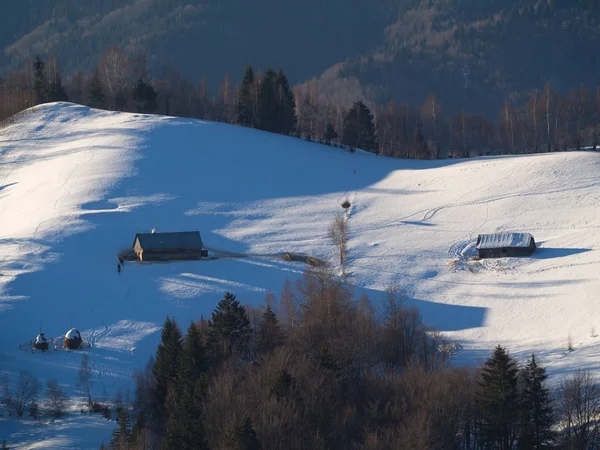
(548, 121)
(320, 368)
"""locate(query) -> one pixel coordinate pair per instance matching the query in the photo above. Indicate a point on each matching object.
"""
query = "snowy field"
(76, 185)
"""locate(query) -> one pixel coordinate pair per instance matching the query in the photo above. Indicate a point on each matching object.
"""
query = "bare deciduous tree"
(338, 232)
(25, 393)
(579, 409)
(84, 377)
(114, 70)
(56, 399)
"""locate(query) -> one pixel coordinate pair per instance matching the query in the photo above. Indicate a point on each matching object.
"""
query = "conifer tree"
(245, 104)
(122, 434)
(270, 335)
(268, 107)
(56, 90)
(283, 384)
(229, 331)
(359, 129)
(144, 96)
(166, 368)
(286, 105)
(96, 94)
(497, 400)
(536, 418)
(244, 437)
(41, 82)
(185, 427)
(330, 134)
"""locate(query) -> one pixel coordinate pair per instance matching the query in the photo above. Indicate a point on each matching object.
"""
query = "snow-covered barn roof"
(166, 241)
(504, 240)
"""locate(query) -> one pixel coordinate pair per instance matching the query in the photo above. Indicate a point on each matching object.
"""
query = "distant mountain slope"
(473, 54)
(199, 38)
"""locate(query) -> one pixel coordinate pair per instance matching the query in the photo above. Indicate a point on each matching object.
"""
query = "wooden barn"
(168, 246)
(499, 245)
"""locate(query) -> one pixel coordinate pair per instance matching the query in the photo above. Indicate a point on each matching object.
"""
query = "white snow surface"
(77, 184)
(502, 240)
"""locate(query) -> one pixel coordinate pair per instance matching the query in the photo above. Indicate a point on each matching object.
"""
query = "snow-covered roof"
(40, 338)
(73, 334)
(504, 240)
(188, 240)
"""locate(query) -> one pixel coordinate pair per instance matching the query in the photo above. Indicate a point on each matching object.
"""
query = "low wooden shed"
(168, 246)
(499, 245)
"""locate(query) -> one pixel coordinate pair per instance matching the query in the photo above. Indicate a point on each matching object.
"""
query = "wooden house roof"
(188, 240)
(504, 240)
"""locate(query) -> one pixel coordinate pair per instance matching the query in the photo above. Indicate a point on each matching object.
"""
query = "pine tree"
(41, 82)
(166, 369)
(497, 400)
(286, 105)
(359, 129)
(96, 94)
(536, 418)
(330, 134)
(56, 90)
(229, 331)
(268, 108)
(270, 335)
(420, 146)
(244, 436)
(144, 96)
(245, 104)
(122, 434)
(185, 428)
(283, 384)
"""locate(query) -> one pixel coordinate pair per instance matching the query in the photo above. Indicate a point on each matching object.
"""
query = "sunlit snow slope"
(76, 184)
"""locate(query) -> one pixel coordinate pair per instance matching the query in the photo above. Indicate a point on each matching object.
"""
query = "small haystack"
(40, 342)
(72, 339)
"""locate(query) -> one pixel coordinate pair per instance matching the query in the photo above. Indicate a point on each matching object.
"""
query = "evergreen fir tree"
(270, 335)
(420, 146)
(268, 107)
(286, 105)
(536, 418)
(144, 96)
(229, 331)
(283, 384)
(41, 82)
(330, 134)
(56, 90)
(497, 400)
(185, 428)
(245, 104)
(96, 94)
(166, 369)
(122, 434)
(244, 437)
(359, 129)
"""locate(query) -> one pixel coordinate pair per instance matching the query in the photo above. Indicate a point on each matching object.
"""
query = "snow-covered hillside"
(76, 185)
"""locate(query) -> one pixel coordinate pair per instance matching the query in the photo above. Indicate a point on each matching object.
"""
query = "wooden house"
(499, 245)
(168, 246)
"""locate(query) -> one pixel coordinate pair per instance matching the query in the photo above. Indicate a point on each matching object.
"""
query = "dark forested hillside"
(198, 38)
(473, 55)
(476, 54)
